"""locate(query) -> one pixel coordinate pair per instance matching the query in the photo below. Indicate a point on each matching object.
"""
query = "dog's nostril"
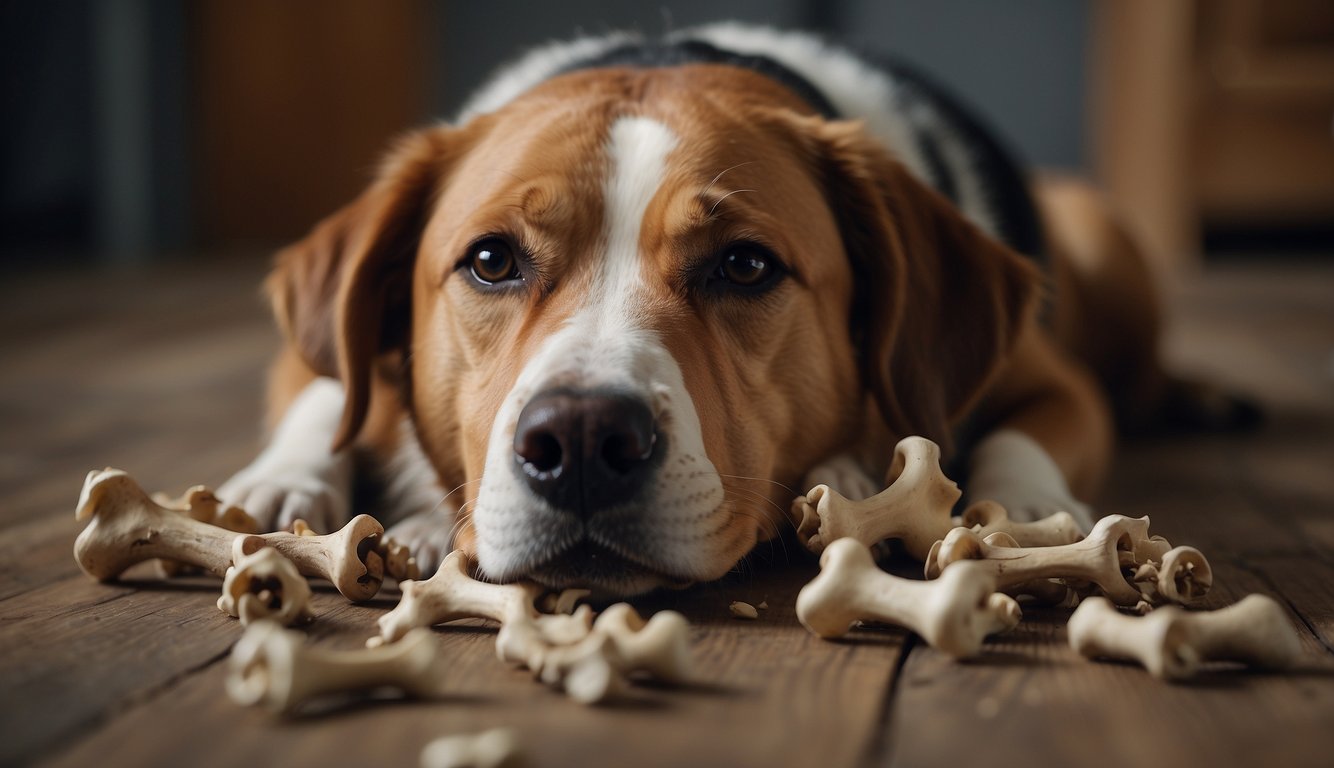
(624, 452)
(541, 450)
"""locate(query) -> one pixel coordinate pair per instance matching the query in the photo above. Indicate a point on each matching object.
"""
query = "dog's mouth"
(590, 565)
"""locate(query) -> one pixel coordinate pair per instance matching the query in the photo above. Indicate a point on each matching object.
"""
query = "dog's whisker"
(722, 173)
(720, 200)
(787, 488)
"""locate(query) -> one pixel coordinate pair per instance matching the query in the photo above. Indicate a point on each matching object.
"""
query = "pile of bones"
(978, 567)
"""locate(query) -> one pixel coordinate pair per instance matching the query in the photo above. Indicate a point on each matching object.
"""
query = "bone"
(620, 644)
(1172, 643)
(988, 517)
(496, 748)
(399, 564)
(128, 527)
(1096, 559)
(275, 668)
(1183, 576)
(263, 585)
(453, 594)
(200, 503)
(564, 601)
(914, 508)
(346, 557)
(953, 614)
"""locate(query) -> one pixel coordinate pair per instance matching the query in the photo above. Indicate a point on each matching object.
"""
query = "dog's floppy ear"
(938, 302)
(342, 295)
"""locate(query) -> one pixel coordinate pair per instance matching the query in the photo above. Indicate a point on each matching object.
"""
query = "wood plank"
(1032, 699)
(753, 675)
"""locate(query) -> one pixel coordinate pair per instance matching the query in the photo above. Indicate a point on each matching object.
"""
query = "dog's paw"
(429, 536)
(842, 473)
(276, 499)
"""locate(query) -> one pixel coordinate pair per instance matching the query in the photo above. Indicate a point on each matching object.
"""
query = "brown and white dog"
(600, 329)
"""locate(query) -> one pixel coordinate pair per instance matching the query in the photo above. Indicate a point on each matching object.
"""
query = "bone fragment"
(496, 748)
(620, 644)
(1096, 559)
(564, 601)
(1171, 643)
(263, 585)
(200, 503)
(1182, 576)
(346, 557)
(128, 527)
(274, 667)
(988, 517)
(399, 564)
(954, 613)
(915, 507)
(743, 610)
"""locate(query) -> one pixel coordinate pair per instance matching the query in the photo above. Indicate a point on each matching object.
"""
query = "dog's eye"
(493, 261)
(747, 266)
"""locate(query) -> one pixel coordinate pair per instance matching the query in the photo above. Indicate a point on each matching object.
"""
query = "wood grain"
(160, 373)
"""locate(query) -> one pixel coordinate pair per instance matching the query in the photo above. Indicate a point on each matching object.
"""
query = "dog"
(602, 328)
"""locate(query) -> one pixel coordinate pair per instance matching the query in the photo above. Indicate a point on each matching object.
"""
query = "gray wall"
(1021, 63)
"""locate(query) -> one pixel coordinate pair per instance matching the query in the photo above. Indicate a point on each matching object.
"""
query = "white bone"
(564, 601)
(1182, 575)
(988, 517)
(452, 594)
(274, 667)
(346, 557)
(915, 507)
(496, 748)
(399, 564)
(621, 643)
(263, 585)
(128, 527)
(595, 668)
(200, 503)
(1171, 643)
(954, 613)
(1096, 559)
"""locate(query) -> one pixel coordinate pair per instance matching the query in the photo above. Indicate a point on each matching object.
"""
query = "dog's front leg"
(297, 476)
(1052, 440)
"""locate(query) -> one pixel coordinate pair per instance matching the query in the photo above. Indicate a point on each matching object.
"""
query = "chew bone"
(987, 517)
(1096, 559)
(915, 507)
(399, 564)
(274, 667)
(128, 527)
(1171, 643)
(1182, 575)
(620, 644)
(496, 748)
(263, 585)
(954, 613)
(453, 594)
(346, 557)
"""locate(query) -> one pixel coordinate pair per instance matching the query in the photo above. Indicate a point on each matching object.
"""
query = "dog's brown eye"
(746, 266)
(493, 261)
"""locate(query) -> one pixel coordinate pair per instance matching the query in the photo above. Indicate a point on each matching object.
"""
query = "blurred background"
(137, 131)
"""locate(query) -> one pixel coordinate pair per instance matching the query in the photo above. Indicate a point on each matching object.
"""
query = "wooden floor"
(160, 374)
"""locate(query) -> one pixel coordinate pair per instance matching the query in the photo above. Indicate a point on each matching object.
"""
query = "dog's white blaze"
(637, 151)
(606, 344)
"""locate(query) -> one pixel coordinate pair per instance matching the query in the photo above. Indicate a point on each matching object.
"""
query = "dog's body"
(599, 331)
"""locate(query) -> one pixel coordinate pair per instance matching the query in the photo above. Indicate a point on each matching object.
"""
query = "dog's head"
(632, 305)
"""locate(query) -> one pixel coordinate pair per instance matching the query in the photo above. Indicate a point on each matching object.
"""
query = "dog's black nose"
(585, 451)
